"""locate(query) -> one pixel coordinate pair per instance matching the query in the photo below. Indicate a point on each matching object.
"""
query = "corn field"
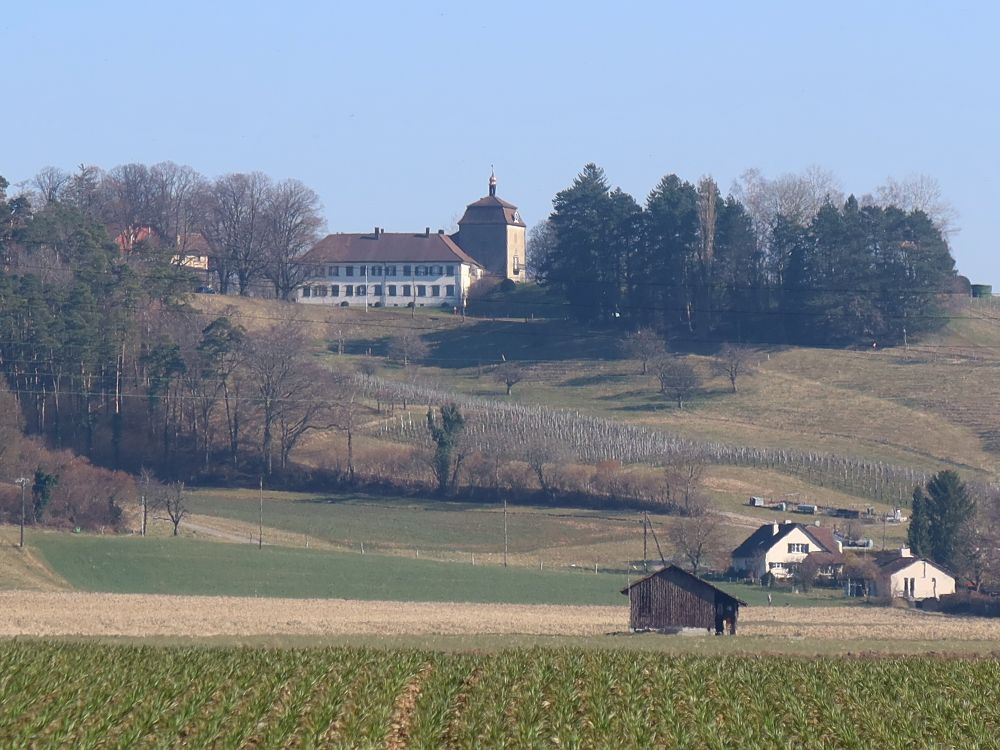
(89, 696)
(496, 426)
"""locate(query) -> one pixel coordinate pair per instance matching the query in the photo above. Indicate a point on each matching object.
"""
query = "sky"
(394, 112)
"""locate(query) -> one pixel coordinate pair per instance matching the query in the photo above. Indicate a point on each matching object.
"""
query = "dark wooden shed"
(671, 598)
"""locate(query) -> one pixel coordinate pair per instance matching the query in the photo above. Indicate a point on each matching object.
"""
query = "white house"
(901, 575)
(388, 270)
(777, 548)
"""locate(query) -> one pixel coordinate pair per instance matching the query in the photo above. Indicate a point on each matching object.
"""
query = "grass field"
(169, 565)
(83, 696)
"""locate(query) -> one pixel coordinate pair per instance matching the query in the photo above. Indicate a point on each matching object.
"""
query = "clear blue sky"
(394, 112)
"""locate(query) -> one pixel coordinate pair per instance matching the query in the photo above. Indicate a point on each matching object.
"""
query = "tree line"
(252, 227)
(105, 356)
(789, 260)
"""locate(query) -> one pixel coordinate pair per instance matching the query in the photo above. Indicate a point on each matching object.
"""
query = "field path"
(88, 614)
(38, 613)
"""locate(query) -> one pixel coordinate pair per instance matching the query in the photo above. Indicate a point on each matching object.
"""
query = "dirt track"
(66, 613)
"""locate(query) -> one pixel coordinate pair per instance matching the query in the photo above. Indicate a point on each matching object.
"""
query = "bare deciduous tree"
(407, 347)
(509, 374)
(542, 456)
(682, 474)
(172, 500)
(733, 362)
(698, 540)
(645, 345)
(918, 192)
(234, 225)
(292, 224)
(275, 367)
(678, 379)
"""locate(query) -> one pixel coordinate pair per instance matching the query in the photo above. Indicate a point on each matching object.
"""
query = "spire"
(493, 182)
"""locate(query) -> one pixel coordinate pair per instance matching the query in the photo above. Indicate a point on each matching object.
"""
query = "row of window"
(391, 290)
(377, 271)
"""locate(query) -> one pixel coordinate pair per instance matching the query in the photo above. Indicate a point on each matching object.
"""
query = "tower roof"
(492, 210)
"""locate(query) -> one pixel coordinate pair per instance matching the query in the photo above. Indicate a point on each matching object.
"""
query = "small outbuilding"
(671, 599)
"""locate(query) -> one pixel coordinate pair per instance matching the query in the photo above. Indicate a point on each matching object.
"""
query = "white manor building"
(388, 270)
(426, 269)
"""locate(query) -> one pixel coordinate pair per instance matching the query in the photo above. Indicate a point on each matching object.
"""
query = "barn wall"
(661, 603)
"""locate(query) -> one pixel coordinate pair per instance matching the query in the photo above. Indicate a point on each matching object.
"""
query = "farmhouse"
(901, 575)
(777, 548)
(417, 270)
(672, 598)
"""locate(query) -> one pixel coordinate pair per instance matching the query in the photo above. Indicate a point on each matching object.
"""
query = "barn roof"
(677, 570)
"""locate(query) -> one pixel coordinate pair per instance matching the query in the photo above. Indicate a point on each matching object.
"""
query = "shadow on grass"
(485, 342)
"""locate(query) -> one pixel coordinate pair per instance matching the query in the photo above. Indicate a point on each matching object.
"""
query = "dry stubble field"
(83, 614)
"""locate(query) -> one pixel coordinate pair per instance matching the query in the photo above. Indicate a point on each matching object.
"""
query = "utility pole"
(23, 481)
(505, 531)
(645, 527)
(260, 523)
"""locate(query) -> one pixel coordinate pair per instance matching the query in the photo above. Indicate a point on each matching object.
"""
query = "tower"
(492, 232)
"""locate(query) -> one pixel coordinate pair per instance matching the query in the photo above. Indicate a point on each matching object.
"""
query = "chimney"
(905, 552)
(376, 232)
(440, 231)
(840, 546)
(774, 529)
(427, 231)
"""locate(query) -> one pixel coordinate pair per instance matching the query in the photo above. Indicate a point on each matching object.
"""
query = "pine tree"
(950, 513)
(918, 535)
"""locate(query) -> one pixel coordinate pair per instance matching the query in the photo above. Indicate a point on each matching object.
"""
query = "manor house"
(425, 269)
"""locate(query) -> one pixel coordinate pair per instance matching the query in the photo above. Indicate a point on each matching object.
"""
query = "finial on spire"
(493, 181)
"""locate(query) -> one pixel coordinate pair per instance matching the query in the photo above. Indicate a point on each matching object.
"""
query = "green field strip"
(358, 698)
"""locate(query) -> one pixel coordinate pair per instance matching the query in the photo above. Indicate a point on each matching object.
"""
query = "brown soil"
(34, 613)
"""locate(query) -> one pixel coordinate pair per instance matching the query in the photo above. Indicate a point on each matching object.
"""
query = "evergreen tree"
(670, 251)
(580, 264)
(950, 514)
(445, 435)
(918, 535)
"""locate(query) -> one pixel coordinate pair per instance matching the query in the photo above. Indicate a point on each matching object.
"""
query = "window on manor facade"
(392, 290)
(335, 290)
(793, 547)
(421, 290)
(306, 291)
(406, 290)
(377, 290)
(406, 270)
(349, 271)
(435, 291)
(449, 290)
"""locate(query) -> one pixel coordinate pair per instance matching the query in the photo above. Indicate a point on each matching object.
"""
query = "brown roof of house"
(396, 247)
(491, 210)
(826, 558)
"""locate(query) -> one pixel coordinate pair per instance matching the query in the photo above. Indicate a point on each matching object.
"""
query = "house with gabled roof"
(778, 548)
(901, 575)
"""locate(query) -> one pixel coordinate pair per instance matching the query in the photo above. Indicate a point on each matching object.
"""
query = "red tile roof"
(396, 247)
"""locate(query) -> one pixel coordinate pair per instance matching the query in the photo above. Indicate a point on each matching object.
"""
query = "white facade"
(389, 284)
(920, 579)
(791, 543)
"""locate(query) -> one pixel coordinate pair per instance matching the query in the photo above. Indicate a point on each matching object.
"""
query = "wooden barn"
(672, 598)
